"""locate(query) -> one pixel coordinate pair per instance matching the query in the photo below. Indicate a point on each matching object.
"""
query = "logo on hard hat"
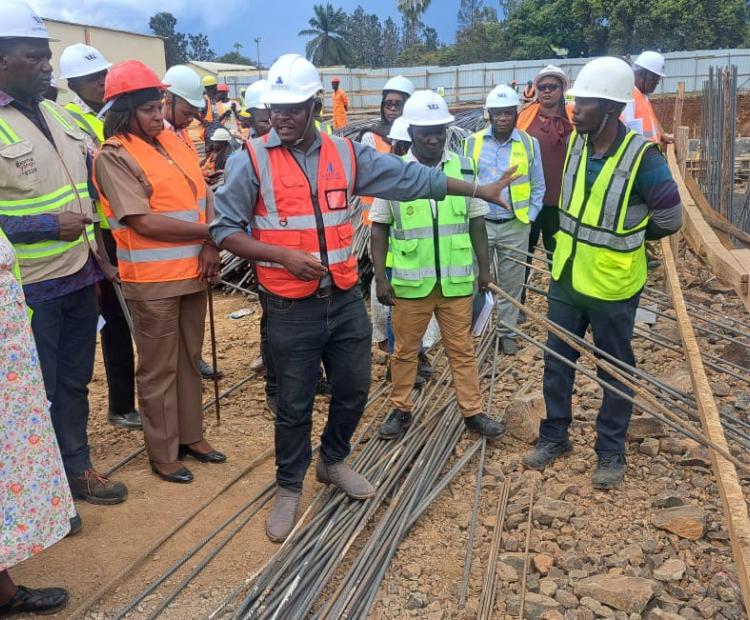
(90, 57)
(433, 106)
(279, 80)
(37, 19)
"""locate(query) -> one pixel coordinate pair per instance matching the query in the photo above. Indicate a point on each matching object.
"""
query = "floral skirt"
(35, 501)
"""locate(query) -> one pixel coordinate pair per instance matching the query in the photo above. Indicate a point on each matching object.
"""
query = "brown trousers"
(169, 338)
(410, 319)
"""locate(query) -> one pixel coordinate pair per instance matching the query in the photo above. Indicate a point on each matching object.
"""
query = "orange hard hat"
(223, 88)
(129, 76)
(335, 79)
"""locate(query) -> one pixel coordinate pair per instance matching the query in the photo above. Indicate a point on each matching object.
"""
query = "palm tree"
(328, 45)
(412, 10)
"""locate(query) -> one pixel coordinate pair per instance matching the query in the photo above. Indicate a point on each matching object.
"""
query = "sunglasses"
(551, 88)
(394, 105)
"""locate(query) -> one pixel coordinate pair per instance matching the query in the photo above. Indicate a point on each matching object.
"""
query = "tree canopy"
(328, 28)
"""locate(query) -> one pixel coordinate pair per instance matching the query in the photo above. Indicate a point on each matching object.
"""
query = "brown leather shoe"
(94, 488)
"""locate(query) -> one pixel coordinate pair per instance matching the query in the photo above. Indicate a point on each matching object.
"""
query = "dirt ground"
(595, 532)
(692, 111)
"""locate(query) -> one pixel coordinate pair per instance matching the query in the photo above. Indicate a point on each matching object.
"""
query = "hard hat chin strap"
(308, 124)
(601, 127)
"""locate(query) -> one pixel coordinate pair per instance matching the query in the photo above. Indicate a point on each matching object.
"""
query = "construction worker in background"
(399, 137)
(432, 244)
(85, 69)
(340, 104)
(529, 92)
(47, 214)
(221, 147)
(293, 191)
(259, 114)
(210, 85)
(154, 196)
(183, 102)
(617, 191)
(638, 114)
(494, 150)
(395, 93)
(547, 121)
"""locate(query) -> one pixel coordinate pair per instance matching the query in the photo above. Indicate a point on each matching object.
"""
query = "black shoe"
(182, 475)
(425, 368)
(545, 452)
(76, 525)
(484, 425)
(395, 424)
(609, 472)
(204, 457)
(130, 420)
(508, 345)
(207, 371)
(38, 601)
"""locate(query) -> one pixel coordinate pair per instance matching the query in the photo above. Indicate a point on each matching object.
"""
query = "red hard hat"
(129, 76)
(223, 88)
(335, 79)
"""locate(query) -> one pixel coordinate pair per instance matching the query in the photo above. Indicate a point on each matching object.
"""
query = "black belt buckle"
(324, 291)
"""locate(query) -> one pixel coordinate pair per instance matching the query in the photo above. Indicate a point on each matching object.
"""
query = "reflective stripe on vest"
(608, 260)
(521, 155)
(46, 203)
(42, 249)
(287, 214)
(324, 127)
(420, 257)
(179, 192)
(88, 122)
(7, 135)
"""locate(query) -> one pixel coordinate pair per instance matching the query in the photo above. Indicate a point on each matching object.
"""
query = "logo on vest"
(27, 167)
(410, 210)
(283, 221)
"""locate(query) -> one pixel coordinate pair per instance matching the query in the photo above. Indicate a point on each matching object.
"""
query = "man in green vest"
(433, 244)
(85, 69)
(617, 192)
(493, 150)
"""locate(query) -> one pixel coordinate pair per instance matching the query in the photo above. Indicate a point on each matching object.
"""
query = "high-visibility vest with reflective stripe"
(324, 127)
(426, 249)
(522, 156)
(639, 116)
(179, 192)
(608, 259)
(289, 215)
(39, 177)
(94, 128)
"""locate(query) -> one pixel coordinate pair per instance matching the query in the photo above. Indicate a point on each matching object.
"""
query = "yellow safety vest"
(521, 156)
(39, 177)
(608, 259)
(94, 127)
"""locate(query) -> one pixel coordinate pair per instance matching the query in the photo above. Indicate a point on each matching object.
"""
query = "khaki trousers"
(169, 338)
(410, 320)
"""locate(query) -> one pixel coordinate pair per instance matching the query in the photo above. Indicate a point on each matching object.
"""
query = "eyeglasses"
(395, 105)
(551, 88)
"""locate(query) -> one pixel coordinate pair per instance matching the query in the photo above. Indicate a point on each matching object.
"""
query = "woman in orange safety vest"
(157, 203)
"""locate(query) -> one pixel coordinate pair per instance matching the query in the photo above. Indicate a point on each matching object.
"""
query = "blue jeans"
(612, 325)
(65, 334)
(301, 333)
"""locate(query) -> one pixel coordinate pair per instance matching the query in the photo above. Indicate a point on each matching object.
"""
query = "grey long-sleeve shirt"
(380, 175)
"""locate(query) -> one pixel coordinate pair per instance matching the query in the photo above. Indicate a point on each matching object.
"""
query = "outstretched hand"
(491, 191)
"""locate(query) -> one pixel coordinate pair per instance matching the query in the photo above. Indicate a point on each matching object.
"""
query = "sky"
(228, 21)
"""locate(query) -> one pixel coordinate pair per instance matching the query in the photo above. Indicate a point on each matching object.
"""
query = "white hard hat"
(254, 94)
(605, 78)
(399, 130)
(400, 84)
(221, 135)
(292, 79)
(185, 84)
(553, 71)
(502, 96)
(651, 61)
(18, 20)
(80, 59)
(426, 108)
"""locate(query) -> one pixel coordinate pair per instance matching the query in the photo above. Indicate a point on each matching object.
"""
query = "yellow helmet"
(209, 80)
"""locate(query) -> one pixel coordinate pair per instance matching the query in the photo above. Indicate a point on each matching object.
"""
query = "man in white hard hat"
(85, 69)
(494, 150)
(617, 192)
(638, 114)
(48, 215)
(183, 101)
(293, 190)
(259, 115)
(432, 244)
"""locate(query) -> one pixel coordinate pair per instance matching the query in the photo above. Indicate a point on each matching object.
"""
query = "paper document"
(481, 312)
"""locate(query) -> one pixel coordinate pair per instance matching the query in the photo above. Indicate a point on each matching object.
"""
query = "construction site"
(458, 528)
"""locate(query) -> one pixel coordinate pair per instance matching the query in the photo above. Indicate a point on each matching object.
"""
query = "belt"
(499, 220)
(326, 291)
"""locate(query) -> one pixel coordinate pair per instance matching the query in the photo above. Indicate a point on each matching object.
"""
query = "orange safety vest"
(645, 112)
(381, 146)
(178, 191)
(185, 137)
(527, 115)
(288, 215)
